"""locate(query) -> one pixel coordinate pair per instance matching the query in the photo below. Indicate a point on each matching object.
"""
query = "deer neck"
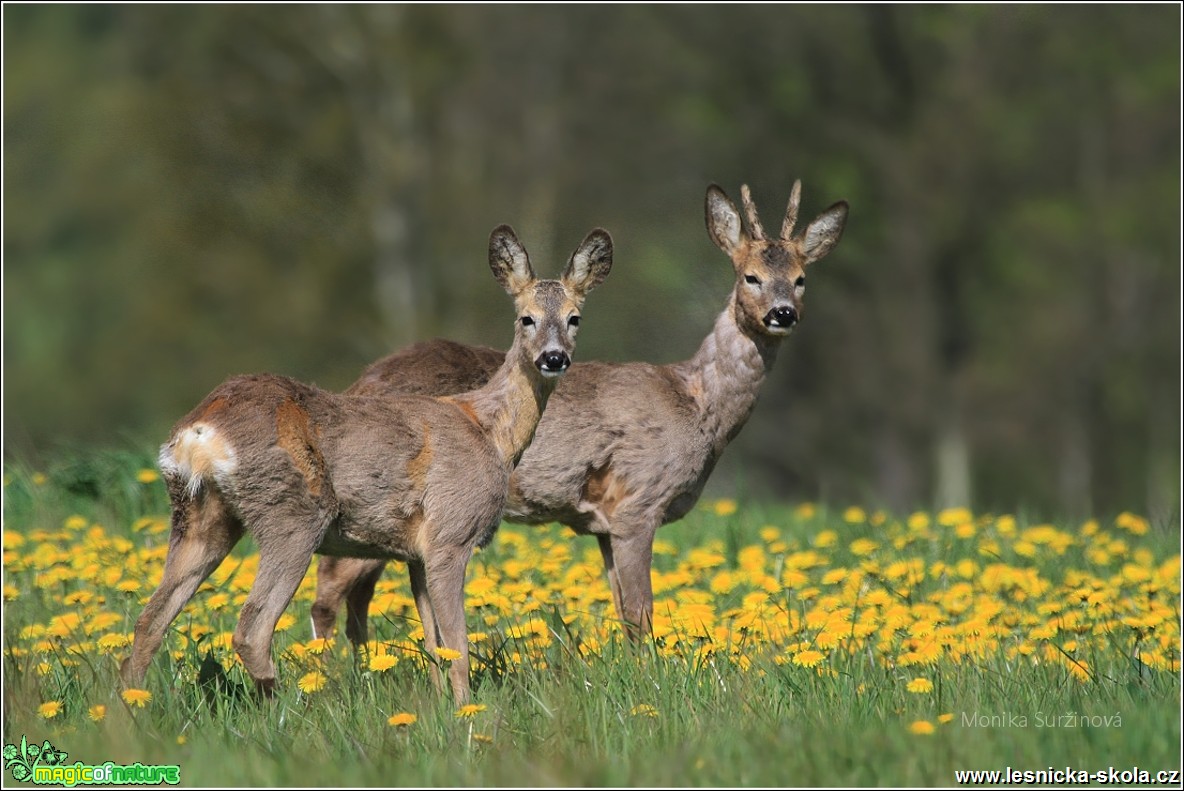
(509, 405)
(725, 375)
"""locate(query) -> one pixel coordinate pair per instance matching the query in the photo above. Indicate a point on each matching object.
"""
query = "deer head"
(548, 310)
(770, 273)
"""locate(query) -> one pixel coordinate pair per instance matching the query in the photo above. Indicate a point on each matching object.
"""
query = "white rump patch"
(197, 453)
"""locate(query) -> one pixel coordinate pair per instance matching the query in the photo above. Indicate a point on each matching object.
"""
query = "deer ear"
(723, 221)
(590, 263)
(823, 233)
(509, 261)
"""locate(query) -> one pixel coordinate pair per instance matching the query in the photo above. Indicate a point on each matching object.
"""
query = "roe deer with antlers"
(623, 448)
(417, 478)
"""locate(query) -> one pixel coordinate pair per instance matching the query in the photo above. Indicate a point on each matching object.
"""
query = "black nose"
(784, 316)
(553, 361)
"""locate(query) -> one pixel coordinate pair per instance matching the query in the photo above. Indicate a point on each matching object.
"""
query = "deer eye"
(527, 321)
(801, 281)
(574, 321)
(756, 281)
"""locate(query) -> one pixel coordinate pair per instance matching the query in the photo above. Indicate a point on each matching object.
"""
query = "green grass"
(560, 718)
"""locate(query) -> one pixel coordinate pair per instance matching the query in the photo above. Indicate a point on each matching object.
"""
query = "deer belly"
(395, 538)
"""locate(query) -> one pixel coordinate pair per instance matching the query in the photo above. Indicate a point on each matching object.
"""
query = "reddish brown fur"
(605, 489)
(470, 413)
(295, 435)
(417, 467)
(216, 405)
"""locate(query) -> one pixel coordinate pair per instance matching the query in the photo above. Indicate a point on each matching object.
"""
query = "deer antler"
(754, 224)
(791, 211)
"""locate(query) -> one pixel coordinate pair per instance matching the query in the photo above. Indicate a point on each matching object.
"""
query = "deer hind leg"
(284, 558)
(331, 589)
(631, 558)
(203, 534)
(351, 580)
(610, 571)
(423, 603)
(446, 589)
(357, 601)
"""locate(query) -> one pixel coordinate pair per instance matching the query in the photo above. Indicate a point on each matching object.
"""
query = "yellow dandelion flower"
(834, 576)
(953, 516)
(945, 718)
(11, 593)
(1079, 670)
(97, 713)
(854, 515)
(724, 582)
(447, 654)
(136, 697)
(109, 643)
(808, 658)
(217, 601)
(1135, 574)
(128, 586)
(75, 522)
(700, 558)
(920, 686)
(39, 479)
(469, 710)
(863, 546)
(147, 476)
(318, 645)
(643, 710)
(826, 538)
(1098, 557)
(921, 727)
(805, 511)
(836, 632)
(725, 507)
(1044, 632)
(49, 710)
(663, 548)
(1128, 521)
(792, 578)
(382, 662)
(313, 682)
(402, 719)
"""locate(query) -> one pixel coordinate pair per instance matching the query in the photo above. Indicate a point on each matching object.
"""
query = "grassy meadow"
(793, 645)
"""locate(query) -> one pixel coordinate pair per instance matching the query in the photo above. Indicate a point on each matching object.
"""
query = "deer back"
(436, 367)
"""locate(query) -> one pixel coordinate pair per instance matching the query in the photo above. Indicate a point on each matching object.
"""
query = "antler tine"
(754, 224)
(791, 211)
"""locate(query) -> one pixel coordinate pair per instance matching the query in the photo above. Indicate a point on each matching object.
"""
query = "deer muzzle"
(552, 363)
(781, 319)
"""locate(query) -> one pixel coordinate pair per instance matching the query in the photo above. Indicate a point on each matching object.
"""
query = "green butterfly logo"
(22, 760)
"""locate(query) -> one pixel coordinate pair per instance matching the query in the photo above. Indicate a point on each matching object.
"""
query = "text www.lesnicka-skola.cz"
(1068, 776)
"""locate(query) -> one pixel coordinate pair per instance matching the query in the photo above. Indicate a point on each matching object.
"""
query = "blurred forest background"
(202, 190)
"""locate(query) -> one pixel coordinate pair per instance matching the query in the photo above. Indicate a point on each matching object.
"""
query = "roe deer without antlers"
(412, 477)
(623, 448)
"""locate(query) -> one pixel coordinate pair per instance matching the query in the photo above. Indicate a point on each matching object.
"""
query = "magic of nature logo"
(45, 764)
